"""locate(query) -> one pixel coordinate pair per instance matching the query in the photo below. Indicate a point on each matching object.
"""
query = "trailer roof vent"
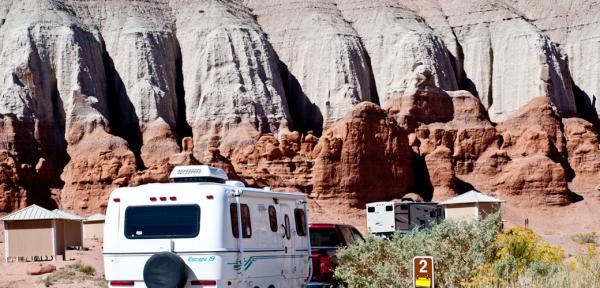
(198, 173)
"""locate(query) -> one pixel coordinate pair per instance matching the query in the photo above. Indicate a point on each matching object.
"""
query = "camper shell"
(198, 219)
(385, 218)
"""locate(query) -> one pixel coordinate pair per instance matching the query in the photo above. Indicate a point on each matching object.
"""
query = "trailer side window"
(371, 209)
(286, 219)
(389, 208)
(273, 218)
(246, 225)
(300, 222)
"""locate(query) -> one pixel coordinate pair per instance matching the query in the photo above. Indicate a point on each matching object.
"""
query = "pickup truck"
(325, 239)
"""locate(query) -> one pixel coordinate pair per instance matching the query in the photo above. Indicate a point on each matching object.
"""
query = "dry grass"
(73, 273)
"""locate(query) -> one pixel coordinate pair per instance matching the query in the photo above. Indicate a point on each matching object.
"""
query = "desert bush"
(69, 274)
(585, 238)
(587, 265)
(582, 270)
(519, 255)
(85, 269)
(459, 248)
(520, 251)
(467, 254)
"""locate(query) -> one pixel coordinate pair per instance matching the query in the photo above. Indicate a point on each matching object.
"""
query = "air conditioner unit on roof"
(198, 173)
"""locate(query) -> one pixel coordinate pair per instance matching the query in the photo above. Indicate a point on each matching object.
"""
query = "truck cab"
(325, 239)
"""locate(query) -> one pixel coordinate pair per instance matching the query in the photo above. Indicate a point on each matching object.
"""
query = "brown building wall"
(461, 211)
(29, 238)
(73, 233)
(93, 229)
(487, 209)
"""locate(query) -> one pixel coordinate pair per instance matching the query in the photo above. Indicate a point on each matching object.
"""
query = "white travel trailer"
(185, 234)
(385, 218)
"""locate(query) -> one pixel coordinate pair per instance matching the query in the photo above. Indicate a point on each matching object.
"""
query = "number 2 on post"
(423, 264)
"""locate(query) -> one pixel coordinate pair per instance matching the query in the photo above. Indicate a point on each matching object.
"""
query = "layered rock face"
(396, 40)
(575, 26)
(53, 90)
(233, 88)
(503, 59)
(327, 68)
(347, 101)
(143, 96)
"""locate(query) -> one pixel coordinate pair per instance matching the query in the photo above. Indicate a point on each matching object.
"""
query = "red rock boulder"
(40, 269)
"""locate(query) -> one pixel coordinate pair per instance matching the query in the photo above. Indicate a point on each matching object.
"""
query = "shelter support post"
(54, 240)
(6, 247)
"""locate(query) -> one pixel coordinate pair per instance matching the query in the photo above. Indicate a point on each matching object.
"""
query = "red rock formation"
(582, 146)
(584, 156)
(532, 182)
(421, 102)
(535, 143)
(450, 131)
(365, 157)
(441, 173)
(462, 150)
(12, 195)
(280, 163)
(99, 163)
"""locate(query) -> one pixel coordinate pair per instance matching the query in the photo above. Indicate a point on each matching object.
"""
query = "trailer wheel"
(165, 270)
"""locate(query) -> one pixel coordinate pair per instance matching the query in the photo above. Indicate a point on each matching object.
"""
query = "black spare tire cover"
(165, 270)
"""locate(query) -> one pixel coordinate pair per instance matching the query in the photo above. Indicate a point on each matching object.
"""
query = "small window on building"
(287, 227)
(432, 214)
(300, 222)
(389, 208)
(273, 218)
(246, 225)
(371, 209)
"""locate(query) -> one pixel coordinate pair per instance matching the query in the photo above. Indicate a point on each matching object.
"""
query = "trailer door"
(288, 240)
(300, 252)
(402, 216)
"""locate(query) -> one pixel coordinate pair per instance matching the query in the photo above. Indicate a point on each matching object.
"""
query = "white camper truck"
(385, 218)
(185, 234)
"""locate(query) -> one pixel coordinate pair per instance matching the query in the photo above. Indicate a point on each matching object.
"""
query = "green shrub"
(460, 249)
